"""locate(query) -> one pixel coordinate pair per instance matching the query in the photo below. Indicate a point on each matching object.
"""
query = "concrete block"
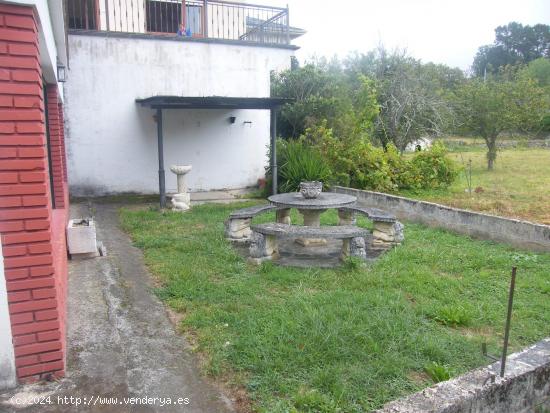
(81, 236)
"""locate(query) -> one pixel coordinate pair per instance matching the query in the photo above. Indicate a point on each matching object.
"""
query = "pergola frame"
(158, 103)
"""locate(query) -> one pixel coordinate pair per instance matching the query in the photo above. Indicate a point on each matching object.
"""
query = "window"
(194, 19)
(163, 16)
(83, 14)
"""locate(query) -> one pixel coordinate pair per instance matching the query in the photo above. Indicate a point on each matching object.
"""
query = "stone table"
(311, 209)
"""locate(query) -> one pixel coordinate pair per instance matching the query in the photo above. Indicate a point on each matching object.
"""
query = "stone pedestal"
(182, 200)
(312, 218)
(283, 216)
(387, 234)
(238, 229)
(354, 247)
(263, 248)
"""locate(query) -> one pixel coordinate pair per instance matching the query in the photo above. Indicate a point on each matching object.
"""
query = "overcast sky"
(444, 31)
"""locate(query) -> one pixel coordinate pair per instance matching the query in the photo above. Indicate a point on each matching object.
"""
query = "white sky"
(444, 31)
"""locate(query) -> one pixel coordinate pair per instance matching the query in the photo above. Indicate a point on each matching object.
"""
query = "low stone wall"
(524, 388)
(521, 234)
(501, 144)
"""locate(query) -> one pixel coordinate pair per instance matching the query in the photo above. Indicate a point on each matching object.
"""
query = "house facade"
(33, 191)
(91, 135)
(125, 50)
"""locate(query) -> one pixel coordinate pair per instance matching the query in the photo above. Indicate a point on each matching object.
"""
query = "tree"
(539, 70)
(319, 92)
(412, 101)
(514, 43)
(500, 103)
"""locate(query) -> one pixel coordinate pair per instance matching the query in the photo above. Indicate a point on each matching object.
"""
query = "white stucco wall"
(7, 357)
(112, 141)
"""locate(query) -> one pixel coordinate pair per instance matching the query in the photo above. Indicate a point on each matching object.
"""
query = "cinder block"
(81, 236)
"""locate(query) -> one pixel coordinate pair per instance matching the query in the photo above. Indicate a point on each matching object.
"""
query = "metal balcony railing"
(215, 19)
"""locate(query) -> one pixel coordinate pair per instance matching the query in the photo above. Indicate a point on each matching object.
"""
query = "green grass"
(518, 187)
(349, 339)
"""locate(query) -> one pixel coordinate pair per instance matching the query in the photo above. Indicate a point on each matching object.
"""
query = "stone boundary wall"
(525, 387)
(503, 144)
(518, 233)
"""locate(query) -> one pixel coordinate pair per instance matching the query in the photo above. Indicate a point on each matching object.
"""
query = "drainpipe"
(162, 183)
(274, 171)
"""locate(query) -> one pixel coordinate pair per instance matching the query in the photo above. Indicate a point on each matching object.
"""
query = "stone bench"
(387, 230)
(237, 227)
(264, 245)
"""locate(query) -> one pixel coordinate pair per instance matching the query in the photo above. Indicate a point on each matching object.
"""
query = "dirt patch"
(410, 298)
(486, 333)
(419, 378)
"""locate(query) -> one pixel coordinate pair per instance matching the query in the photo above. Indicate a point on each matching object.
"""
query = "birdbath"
(182, 200)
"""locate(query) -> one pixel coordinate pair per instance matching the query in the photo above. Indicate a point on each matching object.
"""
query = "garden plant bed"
(347, 339)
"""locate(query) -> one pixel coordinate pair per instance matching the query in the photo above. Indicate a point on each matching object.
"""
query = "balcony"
(206, 19)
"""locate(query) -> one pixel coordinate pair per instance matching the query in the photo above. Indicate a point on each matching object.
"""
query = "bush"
(430, 169)
(355, 162)
(300, 162)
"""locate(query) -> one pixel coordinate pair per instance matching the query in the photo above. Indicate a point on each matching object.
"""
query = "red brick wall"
(32, 234)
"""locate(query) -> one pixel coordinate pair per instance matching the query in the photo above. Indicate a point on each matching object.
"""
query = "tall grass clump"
(300, 162)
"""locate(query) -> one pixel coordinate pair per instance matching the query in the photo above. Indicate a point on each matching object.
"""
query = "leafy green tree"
(319, 92)
(500, 103)
(539, 70)
(411, 96)
(514, 44)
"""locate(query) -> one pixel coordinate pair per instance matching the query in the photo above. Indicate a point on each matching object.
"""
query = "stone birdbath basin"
(182, 200)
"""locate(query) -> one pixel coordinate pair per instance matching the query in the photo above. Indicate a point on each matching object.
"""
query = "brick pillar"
(25, 207)
(56, 146)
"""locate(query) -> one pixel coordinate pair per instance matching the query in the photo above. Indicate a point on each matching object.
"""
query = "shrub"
(354, 161)
(300, 162)
(357, 163)
(431, 169)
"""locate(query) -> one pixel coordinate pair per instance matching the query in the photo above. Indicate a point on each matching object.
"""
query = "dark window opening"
(163, 16)
(82, 14)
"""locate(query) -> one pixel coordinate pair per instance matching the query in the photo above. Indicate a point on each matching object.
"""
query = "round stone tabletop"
(325, 200)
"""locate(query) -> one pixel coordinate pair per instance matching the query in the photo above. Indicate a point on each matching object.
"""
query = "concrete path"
(121, 343)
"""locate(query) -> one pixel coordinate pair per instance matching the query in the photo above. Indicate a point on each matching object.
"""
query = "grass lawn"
(341, 340)
(519, 187)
